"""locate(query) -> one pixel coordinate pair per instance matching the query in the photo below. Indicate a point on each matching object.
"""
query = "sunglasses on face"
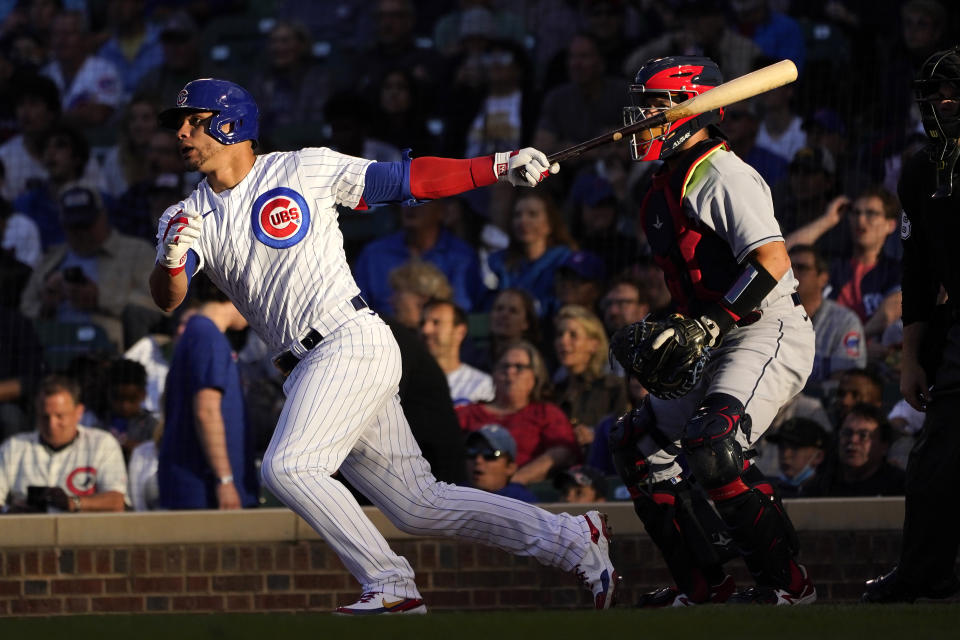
(486, 453)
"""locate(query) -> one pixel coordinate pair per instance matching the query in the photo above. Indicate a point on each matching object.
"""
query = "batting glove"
(523, 168)
(178, 232)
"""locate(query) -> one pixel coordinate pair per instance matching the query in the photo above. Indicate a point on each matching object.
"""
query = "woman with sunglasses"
(542, 432)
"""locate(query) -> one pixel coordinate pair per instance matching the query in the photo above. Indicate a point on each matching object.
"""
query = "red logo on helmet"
(280, 217)
(182, 98)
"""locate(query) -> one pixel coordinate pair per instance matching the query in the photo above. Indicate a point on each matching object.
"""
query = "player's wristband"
(225, 479)
(743, 298)
(174, 271)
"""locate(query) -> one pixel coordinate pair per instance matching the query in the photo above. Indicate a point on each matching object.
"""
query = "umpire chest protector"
(698, 265)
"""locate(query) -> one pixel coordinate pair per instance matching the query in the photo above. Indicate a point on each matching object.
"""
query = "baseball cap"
(814, 159)
(79, 207)
(497, 437)
(799, 432)
(591, 189)
(581, 475)
(826, 119)
(585, 265)
(477, 22)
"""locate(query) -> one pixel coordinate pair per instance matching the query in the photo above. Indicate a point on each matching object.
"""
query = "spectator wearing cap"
(581, 484)
(543, 434)
(422, 236)
(476, 20)
(91, 88)
(585, 389)
(443, 329)
(803, 196)
(95, 275)
(596, 222)
(134, 46)
(840, 340)
(579, 280)
(182, 60)
(802, 446)
(38, 110)
(491, 454)
(862, 468)
(539, 243)
(65, 155)
(741, 123)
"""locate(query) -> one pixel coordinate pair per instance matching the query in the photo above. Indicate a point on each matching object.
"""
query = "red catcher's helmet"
(676, 78)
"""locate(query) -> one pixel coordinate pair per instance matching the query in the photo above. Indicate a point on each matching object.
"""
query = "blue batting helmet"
(231, 104)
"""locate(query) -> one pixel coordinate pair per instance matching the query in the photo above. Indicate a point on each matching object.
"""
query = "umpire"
(930, 374)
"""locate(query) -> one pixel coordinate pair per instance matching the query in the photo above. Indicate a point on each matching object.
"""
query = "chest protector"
(698, 265)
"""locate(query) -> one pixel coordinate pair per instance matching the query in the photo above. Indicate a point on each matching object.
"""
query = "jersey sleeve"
(738, 206)
(210, 359)
(850, 351)
(327, 171)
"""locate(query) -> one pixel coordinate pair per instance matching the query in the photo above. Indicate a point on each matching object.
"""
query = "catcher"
(738, 347)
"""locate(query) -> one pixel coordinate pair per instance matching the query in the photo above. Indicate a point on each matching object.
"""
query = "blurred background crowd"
(502, 299)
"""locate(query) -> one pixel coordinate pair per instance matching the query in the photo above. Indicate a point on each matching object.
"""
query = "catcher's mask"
(674, 80)
(669, 372)
(937, 83)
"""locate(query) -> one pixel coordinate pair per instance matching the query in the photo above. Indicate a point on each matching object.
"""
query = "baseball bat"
(747, 86)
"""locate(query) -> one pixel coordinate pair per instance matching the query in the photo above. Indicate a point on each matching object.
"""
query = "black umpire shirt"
(929, 229)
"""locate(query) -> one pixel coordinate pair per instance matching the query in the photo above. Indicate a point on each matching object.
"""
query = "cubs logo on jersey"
(851, 344)
(280, 218)
(82, 481)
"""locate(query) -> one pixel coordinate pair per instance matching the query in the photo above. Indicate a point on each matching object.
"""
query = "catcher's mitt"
(666, 355)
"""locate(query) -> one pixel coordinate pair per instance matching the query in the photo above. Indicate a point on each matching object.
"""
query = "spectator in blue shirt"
(134, 46)
(422, 235)
(205, 459)
(539, 244)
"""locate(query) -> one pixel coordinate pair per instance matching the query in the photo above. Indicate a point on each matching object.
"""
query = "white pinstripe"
(342, 410)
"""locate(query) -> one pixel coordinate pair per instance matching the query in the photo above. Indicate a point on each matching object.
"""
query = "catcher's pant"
(930, 540)
(342, 412)
(763, 365)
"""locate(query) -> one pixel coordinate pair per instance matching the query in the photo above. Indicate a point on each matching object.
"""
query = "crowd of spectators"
(502, 300)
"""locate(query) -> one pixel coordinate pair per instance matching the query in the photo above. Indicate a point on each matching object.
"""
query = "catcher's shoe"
(890, 588)
(595, 571)
(672, 597)
(375, 602)
(805, 594)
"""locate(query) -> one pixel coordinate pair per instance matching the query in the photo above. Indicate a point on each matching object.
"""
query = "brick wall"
(305, 575)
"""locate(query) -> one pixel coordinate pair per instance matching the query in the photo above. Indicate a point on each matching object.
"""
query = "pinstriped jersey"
(272, 243)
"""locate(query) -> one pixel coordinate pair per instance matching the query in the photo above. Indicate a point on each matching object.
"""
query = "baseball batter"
(264, 229)
(709, 220)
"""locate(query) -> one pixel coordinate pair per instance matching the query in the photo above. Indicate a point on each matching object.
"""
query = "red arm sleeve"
(432, 178)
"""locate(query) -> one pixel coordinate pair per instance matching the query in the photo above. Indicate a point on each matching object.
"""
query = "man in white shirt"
(62, 465)
(443, 328)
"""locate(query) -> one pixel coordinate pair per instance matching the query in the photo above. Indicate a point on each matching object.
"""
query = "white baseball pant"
(342, 412)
